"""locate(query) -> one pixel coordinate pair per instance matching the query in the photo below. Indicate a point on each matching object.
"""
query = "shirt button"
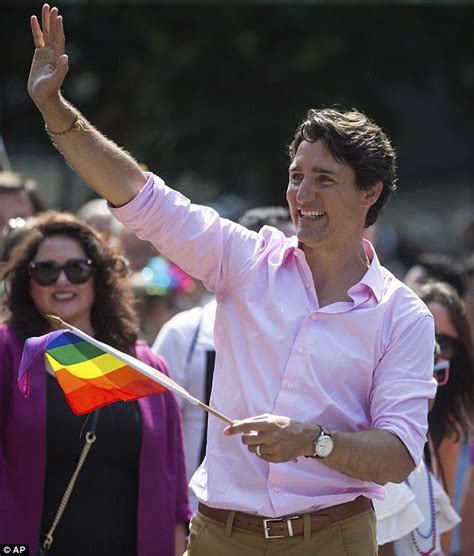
(290, 386)
(307, 284)
(300, 350)
(313, 317)
(276, 489)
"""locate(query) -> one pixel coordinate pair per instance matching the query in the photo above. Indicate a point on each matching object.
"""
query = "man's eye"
(325, 179)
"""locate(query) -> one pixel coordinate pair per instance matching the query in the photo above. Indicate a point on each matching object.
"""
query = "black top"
(101, 516)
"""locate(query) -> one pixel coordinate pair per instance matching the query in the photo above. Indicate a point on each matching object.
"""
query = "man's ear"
(372, 194)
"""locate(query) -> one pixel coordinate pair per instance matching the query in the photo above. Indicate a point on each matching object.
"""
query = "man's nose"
(306, 191)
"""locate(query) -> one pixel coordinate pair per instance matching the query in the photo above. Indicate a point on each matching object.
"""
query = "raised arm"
(108, 169)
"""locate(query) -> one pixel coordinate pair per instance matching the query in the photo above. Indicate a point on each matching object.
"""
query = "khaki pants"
(354, 536)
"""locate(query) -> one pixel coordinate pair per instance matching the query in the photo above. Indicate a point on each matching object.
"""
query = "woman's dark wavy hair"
(451, 415)
(113, 317)
(356, 140)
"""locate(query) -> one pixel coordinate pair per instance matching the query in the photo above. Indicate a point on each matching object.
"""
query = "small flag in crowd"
(89, 374)
(93, 374)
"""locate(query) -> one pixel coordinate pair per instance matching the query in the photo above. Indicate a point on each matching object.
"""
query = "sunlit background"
(209, 94)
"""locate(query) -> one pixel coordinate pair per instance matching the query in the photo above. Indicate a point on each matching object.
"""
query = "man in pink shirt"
(324, 359)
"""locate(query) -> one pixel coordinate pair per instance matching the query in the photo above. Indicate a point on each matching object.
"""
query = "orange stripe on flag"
(118, 379)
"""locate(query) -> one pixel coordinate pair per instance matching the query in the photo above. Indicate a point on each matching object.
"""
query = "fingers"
(51, 32)
(53, 16)
(253, 424)
(253, 438)
(45, 23)
(36, 32)
(59, 39)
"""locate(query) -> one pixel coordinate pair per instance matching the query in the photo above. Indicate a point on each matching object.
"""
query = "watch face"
(324, 446)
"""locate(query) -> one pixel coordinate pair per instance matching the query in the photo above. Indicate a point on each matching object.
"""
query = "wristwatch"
(323, 444)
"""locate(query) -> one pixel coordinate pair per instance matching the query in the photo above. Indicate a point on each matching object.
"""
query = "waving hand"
(50, 64)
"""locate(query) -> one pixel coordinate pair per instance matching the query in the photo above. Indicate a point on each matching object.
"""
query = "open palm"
(50, 64)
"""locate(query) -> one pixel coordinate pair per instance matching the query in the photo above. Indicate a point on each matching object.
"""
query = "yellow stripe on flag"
(97, 367)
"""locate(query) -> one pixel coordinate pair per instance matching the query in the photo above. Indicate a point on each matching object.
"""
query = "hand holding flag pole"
(130, 365)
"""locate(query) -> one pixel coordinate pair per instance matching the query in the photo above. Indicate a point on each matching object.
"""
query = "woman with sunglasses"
(130, 496)
(450, 419)
(414, 514)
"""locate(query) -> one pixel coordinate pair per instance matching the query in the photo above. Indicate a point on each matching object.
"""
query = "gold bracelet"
(76, 125)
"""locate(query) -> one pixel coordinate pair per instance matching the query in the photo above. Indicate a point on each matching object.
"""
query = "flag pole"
(174, 386)
(215, 413)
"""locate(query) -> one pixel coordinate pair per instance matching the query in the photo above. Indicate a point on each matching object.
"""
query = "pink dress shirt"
(351, 366)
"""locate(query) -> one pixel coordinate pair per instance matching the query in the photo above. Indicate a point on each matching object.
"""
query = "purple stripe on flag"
(34, 348)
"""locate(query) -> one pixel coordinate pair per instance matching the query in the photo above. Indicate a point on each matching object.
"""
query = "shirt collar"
(290, 247)
(373, 278)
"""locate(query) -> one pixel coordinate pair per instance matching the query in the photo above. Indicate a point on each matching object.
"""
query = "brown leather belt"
(288, 526)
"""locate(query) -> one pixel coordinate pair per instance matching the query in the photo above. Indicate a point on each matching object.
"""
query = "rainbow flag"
(91, 373)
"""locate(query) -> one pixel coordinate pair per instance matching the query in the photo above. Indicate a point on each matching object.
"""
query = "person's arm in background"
(386, 549)
(180, 539)
(109, 170)
(448, 459)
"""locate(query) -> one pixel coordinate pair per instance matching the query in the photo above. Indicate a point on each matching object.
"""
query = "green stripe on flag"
(75, 353)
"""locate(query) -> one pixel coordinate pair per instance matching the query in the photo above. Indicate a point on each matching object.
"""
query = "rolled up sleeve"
(403, 383)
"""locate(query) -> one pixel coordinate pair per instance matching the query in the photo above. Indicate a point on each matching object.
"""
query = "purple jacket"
(162, 498)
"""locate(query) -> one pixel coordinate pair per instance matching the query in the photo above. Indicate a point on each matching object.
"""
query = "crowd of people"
(351, 390)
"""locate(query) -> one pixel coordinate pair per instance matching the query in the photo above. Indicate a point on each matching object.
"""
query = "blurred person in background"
(466, 540)
(132, 485)
(187, 343)
(278, 217)
(437, 267)
(469, 296)
(161, 290)
(19, 196)
(414, 514)
(16, 229)
(97, 215)
(11, 236)
(463, 231)
(450, 419)
(137, 251)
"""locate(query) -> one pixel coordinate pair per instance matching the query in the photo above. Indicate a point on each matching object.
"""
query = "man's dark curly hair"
(356, 140)
(453, 408)
(113, 317)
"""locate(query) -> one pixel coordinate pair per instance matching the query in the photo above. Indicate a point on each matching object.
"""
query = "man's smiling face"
(325, 204)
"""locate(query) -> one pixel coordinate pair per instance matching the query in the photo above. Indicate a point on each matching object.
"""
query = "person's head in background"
(16, 229)
(161, 290)
(97, 215)
(437, 267)
(19, 197)
(64, 267)
(278, 217)
(454, 403)
(137, 251)
(469, 295)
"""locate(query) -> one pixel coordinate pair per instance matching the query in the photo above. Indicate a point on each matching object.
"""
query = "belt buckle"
(266, 528)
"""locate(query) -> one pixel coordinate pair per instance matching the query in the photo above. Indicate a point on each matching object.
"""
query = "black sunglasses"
(45, 273)
(449, 345)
